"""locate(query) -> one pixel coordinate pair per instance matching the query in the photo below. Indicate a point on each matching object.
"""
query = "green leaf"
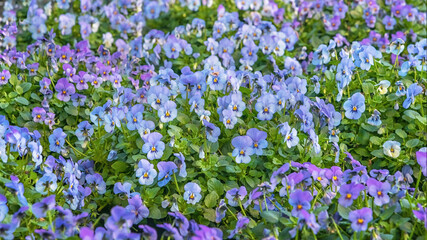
(401, 133)
(368, 88)
(155, 212)
(13, 80)
(369, 128)
(378, 153)
(387, 213)
(152, 192)
(71, 110)
(329, 75)
(119, 166)
(412, 143)
(4, 105)
(22, 100)
(422, 119)
(209, 214)
(19, 90)
(26, 86)
(407, 227)
(412, 114)
(182, 118)
(211, 199)
(392, 97)
(270, 216)
(375, 140)
(214, 185)
(343, 211)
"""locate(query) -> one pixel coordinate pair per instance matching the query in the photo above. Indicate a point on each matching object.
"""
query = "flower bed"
(205, 120)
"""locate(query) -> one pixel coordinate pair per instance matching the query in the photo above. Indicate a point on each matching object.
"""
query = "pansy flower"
(422, 160)
(349, 193)
(4, 76)
(64, 89)
(259, 140)
(145, 172)
(391, 149)
(38, 114)
(354, 106)
(266, 107)
(57, 140)
(32, 69)
(153, 146)
(236, 195)
(167, 111)
(192, 193)
(379, 191)
(39, 209)
(300, 200)
(242, 149)
(412, 91)
(166, 169)
(48, 182)
(360, 219)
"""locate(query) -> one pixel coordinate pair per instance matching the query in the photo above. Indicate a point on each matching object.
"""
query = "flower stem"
(176, 184)
(234, 215)
(77, 151)
(418, 183)
(338, 230)
(241, 207)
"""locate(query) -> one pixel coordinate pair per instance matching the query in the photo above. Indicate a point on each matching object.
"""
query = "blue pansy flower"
(167, 111)
(46, 183)
(229, 118)
(212, 131)
(180, 163)
(166, 169)
(192, 193)
(355, 106)
(401, 90)
(411, 93)
(242, 149)
(259, 140)
(266, 106)
(17, 188)
(134, 117)
(153, 146)
(39, 209)
(120, 188)
(375, 120)
(84, 131)
(57, 140)
(145, 172)
(3, 207)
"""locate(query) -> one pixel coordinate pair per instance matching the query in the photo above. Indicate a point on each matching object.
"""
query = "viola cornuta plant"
(202, 119)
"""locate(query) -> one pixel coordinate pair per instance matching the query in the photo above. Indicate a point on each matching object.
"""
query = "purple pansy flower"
(379, 191)
(360, 219)
(64, 90)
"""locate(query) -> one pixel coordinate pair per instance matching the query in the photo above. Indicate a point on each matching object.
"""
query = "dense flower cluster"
(242, 122)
